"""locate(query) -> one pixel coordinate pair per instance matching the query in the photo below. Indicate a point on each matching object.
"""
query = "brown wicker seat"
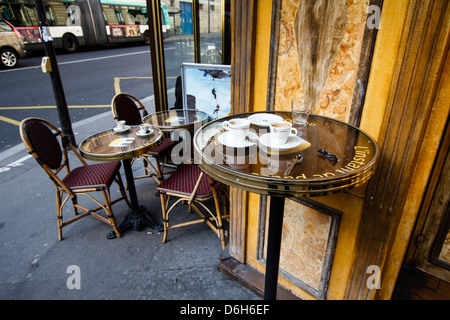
(126, 107)
(190, 184)
(40, 138)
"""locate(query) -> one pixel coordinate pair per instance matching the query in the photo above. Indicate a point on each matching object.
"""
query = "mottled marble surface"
(335, 98)
(305, 231)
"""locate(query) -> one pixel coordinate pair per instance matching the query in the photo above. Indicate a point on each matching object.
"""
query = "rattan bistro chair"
(190, 184)
(126, 107)
(40, 138)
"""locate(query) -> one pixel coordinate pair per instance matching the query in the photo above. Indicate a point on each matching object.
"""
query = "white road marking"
(15, 163)
(86, 60)
(82, 60)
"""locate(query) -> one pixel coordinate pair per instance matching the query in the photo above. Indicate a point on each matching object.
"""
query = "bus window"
(141, 18)
(104, 16)
(29, 15)
(119, 16)
(127, 17)
(137, 17)
(49, 15)
(58, 13)
(110, 14)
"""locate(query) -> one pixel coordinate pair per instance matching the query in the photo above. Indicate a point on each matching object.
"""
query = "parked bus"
(75, 23)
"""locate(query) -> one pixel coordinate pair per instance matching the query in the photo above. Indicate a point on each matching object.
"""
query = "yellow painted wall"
(383, 64)
(262, 51)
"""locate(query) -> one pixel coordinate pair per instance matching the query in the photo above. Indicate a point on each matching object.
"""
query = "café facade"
(380, 66)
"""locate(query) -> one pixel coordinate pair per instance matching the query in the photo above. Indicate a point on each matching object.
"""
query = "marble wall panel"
(319, 49)
(304, 242)
(335, 73)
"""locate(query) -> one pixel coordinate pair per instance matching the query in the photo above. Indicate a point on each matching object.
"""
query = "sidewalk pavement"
(34, 264)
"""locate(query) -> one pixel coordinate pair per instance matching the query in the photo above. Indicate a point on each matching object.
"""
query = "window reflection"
(179, 40)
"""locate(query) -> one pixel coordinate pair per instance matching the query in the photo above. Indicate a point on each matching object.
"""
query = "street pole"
(61, 104)
(196, 29)
(157, 55)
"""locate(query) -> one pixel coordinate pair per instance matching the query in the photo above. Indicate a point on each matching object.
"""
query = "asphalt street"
(35, 265)
(90, 79)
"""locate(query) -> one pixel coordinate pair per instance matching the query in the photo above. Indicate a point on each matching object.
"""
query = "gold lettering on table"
(324, 175)
(359, 159)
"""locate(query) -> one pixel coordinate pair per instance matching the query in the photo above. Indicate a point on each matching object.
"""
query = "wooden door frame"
(414, 120)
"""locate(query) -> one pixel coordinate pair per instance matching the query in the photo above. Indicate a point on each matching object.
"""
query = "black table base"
(139, 216)
(273, 247)
(137, 219)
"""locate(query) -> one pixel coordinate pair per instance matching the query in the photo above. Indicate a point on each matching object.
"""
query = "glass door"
(180, 40)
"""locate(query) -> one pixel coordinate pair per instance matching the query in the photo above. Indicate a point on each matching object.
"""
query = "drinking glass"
(300, 111)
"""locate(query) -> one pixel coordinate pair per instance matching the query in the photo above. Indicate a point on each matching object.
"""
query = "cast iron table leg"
(273, 247)
(138, 216)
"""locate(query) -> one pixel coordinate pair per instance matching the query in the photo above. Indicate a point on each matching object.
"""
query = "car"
(11, 46)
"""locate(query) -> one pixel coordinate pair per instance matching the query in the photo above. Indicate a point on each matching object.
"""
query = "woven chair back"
(44, 142)
(126, 109)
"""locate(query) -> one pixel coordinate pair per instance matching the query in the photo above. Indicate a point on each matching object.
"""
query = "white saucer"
(227, 140)
(150, 131)
(292, 142)
(264, 119)
(121, 130)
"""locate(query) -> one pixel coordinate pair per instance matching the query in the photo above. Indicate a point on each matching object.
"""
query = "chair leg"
(74, 205)
(165, 216)
(149, 170)
(159, 169)
(146, 169)
(218, 214)
(59, 214)
(110, 213)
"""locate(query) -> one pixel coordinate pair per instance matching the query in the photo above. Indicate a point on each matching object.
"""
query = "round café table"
(170, 120)
(336, 157)
(110, 145)
(183, 122)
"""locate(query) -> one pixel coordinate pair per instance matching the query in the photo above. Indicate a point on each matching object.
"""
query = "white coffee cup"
(120, 124)
(143, 128)
(281, 131)
(237, 128)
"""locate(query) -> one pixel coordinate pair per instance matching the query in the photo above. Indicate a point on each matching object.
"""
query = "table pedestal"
(273, 247)
(139, 216)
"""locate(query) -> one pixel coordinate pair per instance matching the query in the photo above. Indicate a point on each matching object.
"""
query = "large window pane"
(211, 31)
(177, 19)
(178, 42)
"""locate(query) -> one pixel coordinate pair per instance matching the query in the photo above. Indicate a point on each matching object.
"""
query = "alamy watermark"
(74, 280)
(374, 16)
(374, 280)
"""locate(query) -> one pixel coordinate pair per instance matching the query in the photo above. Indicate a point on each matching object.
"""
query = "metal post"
(209, 17)
(274, 247)
(157, 55)
(55, 77)
(196, 29)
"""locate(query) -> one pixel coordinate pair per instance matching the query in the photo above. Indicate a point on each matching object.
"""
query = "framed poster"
(207, 88)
